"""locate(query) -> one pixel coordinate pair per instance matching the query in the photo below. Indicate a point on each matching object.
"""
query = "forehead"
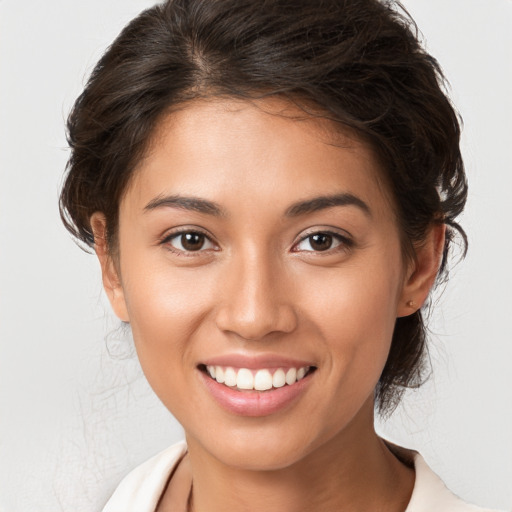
(220, 147)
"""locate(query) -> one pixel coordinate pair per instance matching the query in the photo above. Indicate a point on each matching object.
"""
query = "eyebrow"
(323, 202)
(186, 203)
(205, 206)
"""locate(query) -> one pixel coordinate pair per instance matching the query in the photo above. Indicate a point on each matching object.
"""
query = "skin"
(258, 287)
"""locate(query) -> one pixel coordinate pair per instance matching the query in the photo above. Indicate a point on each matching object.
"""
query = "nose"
(256, 300)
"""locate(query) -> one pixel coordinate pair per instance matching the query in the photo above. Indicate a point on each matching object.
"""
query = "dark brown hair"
(358, 61)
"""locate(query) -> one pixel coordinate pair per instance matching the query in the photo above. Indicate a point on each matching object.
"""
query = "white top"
(141, 489)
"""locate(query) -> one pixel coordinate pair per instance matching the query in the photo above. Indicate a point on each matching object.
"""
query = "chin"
(258, 449)
(262, 458)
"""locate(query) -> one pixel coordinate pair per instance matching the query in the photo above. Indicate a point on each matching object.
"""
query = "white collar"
(142, 488)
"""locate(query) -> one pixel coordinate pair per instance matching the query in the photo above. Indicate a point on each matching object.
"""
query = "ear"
(422, 272)
(110, 273)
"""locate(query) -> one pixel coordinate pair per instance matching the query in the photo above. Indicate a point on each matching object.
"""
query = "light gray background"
(73, 419)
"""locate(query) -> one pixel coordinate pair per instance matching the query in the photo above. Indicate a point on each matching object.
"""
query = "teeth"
(259, 380)
(244, 379)
(300, 373)
(230, 377)
(291, 376)
(279, 379)
(219, 374)
(262, 380)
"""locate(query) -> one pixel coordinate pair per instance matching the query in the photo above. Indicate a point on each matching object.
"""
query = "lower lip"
(255, 403)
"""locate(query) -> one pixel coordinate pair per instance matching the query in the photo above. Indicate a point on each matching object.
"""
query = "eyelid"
(345, 239)
(181, 230)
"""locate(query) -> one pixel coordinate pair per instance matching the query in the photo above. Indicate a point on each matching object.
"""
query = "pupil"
(192, 241)
(321, 242)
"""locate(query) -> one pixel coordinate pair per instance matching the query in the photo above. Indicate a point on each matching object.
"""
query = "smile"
(263, 379)
(265, 388)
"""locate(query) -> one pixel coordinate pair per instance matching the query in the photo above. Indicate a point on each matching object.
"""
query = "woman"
(271, 189)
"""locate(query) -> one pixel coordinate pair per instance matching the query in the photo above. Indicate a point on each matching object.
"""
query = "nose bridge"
(255, 302)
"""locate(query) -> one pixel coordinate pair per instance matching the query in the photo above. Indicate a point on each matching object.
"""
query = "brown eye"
(190, 241)
(323, 241)
(320, 241)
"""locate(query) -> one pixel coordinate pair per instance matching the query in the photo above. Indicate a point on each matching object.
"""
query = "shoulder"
(430, 493)
(142, 488)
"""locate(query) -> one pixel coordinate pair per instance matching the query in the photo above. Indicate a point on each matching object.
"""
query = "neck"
(354, 471)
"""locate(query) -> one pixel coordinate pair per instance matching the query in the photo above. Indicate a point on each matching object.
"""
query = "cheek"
(166, 308)
(160, 295)
(354, 310)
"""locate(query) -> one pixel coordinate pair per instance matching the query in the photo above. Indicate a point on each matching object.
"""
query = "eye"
(189, 241)
(322, 241)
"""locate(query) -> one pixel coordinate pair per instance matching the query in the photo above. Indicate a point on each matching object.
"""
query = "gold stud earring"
(410, 304)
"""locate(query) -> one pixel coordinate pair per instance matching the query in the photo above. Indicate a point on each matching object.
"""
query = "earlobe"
(423, 271)
(110, 274)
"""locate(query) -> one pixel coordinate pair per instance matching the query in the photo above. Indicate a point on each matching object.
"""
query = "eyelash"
(176, 234)
(344, 242)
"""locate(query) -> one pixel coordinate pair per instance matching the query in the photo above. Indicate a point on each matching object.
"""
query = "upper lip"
(255, 362)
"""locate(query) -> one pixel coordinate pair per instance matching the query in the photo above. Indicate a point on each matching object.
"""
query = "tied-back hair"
(356, 62)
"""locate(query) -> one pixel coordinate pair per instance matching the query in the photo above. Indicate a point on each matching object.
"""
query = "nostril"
(258, 326)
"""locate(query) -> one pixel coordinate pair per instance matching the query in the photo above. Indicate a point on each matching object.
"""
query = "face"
(260, 269)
